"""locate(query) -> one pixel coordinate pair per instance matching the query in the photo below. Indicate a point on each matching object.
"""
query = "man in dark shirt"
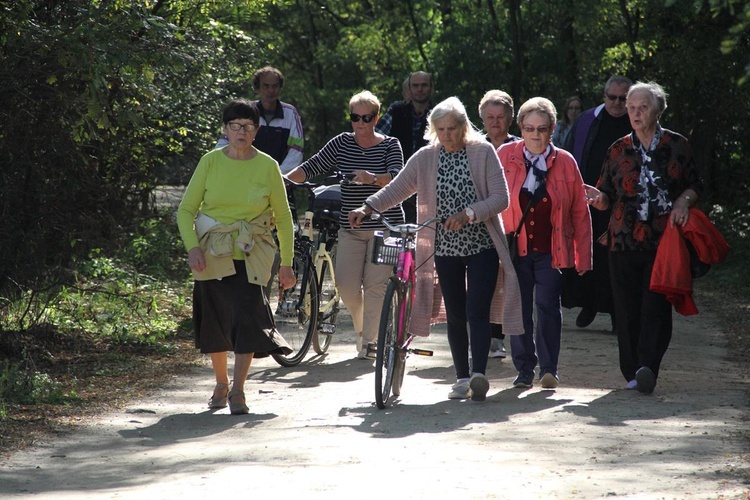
(407, 121)
(593, 133)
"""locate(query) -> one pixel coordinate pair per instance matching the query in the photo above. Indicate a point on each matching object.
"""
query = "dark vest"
(401, 127)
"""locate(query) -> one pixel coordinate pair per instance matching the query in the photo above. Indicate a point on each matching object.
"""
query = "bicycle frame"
(405, 275)
(322, 256)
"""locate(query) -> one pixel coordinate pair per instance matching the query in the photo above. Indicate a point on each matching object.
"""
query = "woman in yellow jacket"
(235, 197)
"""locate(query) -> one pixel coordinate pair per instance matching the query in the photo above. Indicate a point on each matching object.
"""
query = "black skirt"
(231, 314)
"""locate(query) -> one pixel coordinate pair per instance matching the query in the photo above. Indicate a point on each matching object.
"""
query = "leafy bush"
(18, 385)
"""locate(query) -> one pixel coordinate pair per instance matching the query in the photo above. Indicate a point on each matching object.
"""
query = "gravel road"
(314, 432)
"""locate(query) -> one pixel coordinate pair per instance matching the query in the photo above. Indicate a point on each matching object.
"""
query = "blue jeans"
(541, 286)
(468, 285)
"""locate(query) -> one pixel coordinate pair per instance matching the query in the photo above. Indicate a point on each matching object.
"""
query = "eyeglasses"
(354, 117)
(574, 108)
(236, 127)
(613, 98)
(542, 130)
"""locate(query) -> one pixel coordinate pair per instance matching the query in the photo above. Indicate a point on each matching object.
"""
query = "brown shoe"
(219, 397)
(237, 404)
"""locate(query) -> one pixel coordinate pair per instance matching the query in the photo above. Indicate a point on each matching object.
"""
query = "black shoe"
(646, 380)
(524, 380)
(585, 317)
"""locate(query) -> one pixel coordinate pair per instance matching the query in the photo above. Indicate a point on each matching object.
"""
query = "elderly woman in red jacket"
(545, 183)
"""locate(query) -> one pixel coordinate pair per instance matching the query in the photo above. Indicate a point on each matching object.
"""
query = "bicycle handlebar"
(406, 228)
(341, 177)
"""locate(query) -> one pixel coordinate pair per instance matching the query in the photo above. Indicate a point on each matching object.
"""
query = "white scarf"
(538, 171)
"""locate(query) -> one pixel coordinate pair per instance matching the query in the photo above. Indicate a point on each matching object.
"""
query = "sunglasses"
(621, 98)
(542, 130)
(354, 117)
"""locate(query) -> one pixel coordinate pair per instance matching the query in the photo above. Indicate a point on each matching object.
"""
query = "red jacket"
(571, 220)
(671, 274)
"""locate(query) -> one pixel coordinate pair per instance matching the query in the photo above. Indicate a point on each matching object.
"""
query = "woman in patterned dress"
(458, 178)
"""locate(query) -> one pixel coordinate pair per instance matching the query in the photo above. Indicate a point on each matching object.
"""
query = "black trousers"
(643, 319)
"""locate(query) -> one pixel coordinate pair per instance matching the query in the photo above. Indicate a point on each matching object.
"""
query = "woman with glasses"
(226, 221)
(571, 109)
(548, 203)
(373, 159)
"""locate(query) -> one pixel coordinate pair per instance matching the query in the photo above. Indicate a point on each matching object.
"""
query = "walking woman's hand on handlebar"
(456, 221)
(357, 216)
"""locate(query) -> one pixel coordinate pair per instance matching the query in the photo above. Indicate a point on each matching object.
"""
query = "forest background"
(102, 101)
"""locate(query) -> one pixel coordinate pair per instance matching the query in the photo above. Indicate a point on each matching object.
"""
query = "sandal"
(237, 404)
(219, 397)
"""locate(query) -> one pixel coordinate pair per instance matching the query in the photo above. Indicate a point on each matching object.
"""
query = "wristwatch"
(470, 214)
(374, 178)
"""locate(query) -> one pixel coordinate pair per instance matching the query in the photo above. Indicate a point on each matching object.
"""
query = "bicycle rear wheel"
(296, 311)
(329, 309)
(386, 357)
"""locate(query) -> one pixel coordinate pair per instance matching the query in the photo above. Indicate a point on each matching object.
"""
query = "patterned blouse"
(455, 191)
(672, 169)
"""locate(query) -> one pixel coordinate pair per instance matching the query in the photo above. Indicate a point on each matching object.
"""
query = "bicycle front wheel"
(296, 311)
(399, 370)
(386, 357)
(329, 309)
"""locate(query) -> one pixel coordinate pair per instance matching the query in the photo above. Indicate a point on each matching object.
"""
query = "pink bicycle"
(394, 339)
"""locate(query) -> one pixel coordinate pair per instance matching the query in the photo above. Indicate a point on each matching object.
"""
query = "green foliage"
(23, 386)
(112, 297)
(102, 101)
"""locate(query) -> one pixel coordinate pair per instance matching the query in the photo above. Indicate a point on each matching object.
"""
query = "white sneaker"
(549, 381)
(479, 386)
(460, 390)
(497, 349)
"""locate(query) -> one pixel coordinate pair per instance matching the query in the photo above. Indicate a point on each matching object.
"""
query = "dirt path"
(314, 432)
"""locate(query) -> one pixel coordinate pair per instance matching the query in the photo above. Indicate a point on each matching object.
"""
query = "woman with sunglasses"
(373, 160)
(234, 196)
(549, 205)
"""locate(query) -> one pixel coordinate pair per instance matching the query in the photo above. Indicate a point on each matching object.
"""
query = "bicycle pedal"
(328, 328)
(372, 349)
(421, 352)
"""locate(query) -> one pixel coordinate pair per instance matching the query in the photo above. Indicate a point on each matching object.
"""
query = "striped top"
(343, 153)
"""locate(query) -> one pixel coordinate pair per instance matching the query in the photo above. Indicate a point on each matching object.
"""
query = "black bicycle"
(306, 314)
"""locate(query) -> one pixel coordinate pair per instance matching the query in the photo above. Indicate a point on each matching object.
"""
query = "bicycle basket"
(385, 250)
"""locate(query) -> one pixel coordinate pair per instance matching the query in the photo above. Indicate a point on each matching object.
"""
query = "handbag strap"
(523, 215)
